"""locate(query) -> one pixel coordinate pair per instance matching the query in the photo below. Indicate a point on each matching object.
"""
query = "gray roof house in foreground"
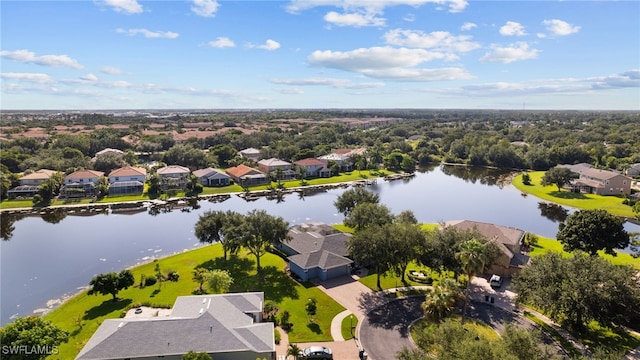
(226, 326)
(509, 241)
(317, 251)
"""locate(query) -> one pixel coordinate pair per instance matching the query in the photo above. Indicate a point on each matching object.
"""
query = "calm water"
(44, 261)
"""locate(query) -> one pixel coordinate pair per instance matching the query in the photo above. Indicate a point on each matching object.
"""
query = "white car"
(495, 281)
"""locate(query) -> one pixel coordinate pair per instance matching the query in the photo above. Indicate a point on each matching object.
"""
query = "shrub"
(526, 179)
(150, 281)
(173, 276)
(276, 336)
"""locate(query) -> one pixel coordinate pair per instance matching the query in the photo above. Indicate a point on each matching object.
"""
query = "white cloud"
(26, 56)
(560, 28)
(290, 91)
(111, 70)
(438, 40)
(29, 77)
(205, 8)
(125, 6)
(222, 42)
(388, 63)
(512, 28)
(409, 18)
(89, 77)
(468, 26)
(354, 19)
(296, 6)
(269, 45)
(513, 52)
(149, 34)
(332, 82)
(623, 80)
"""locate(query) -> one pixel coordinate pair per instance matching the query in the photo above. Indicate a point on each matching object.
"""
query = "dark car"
(317, 353)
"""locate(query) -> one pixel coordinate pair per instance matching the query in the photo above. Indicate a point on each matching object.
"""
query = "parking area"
(342, 350)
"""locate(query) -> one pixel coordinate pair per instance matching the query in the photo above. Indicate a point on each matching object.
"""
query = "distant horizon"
(310, 54)
(198, 110)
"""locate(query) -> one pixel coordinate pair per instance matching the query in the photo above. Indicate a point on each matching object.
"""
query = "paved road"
(385, 331)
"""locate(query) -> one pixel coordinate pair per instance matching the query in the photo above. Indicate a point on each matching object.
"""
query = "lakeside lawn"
(344, 177)
(548, 244)
(612, 204)
(82, 314)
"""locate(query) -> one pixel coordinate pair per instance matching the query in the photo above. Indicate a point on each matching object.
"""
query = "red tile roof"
(310, 161)
(128, 171)
(84, 174)
(240, 170)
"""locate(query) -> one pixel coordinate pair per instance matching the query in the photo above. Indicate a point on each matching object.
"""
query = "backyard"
(82, 314)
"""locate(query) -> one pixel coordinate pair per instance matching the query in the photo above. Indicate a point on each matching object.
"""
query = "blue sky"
(207, 54)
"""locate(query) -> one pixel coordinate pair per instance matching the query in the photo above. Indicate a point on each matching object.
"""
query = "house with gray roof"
(597, 181)
(317, 251)
(212, 177)
(509, 240)
(225, 326)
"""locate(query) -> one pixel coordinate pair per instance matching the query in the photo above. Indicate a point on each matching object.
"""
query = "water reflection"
(553, 212)
(485, 176)
(7, 222)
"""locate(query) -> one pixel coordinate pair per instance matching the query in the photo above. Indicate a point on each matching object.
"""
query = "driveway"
(385, 330)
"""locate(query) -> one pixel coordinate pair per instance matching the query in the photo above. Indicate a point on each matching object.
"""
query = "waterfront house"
(127, 180)
(343, 161)
(314, 167)
(270, 166)
(81, 183)
(245, 175)
(212, 177)
(250, 153)
(602, 182)
(173, 177)
(509, 240)
(29, 184)
(225, 326)
(317, 251)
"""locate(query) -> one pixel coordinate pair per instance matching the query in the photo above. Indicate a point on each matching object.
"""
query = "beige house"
(36, 178)
(244, 175)
(225, 326)
(269, 166)
(509, 241)
(602, 182)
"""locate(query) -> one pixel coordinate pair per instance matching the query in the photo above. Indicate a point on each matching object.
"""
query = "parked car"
(495, 281)
(317, 353)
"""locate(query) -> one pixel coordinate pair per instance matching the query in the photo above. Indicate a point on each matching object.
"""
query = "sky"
(314, 54)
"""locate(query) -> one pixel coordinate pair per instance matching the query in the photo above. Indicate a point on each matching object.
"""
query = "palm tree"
(293, 350)
(442, 300)
(472, 256)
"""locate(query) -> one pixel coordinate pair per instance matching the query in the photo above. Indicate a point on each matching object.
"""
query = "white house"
(314, 167)
(250, 153)
(80, 183)
(127, 180)
(225, 326)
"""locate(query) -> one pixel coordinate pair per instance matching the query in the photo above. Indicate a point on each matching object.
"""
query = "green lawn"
(612, 204)
(344, 177)
(547, 244)
(349, 326)
(82, 314)
(390, 280)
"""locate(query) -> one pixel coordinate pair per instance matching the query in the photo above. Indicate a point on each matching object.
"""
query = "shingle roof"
(242, 170)
(206, 323)
(41, 174)
(501, 234)
(318, 245)
(173, 169)
(84, 174)
(599, 174)
(129, 171)
(310, 161)
(273, 162)
(209, 172)
(250, 151)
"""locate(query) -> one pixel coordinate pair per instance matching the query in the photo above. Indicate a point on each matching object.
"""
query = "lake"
(44, 262)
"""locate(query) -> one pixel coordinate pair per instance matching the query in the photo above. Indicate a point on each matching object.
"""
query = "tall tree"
(559, 176)
(592, 231)
(293, 350)
(200, 276)
(368, 214)
(111, 283)
(211, 227)
(408, 239)
(373, 247)
(473, 259)
(580, 288)
(32, 332)
(260, 231)
(354, 196)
